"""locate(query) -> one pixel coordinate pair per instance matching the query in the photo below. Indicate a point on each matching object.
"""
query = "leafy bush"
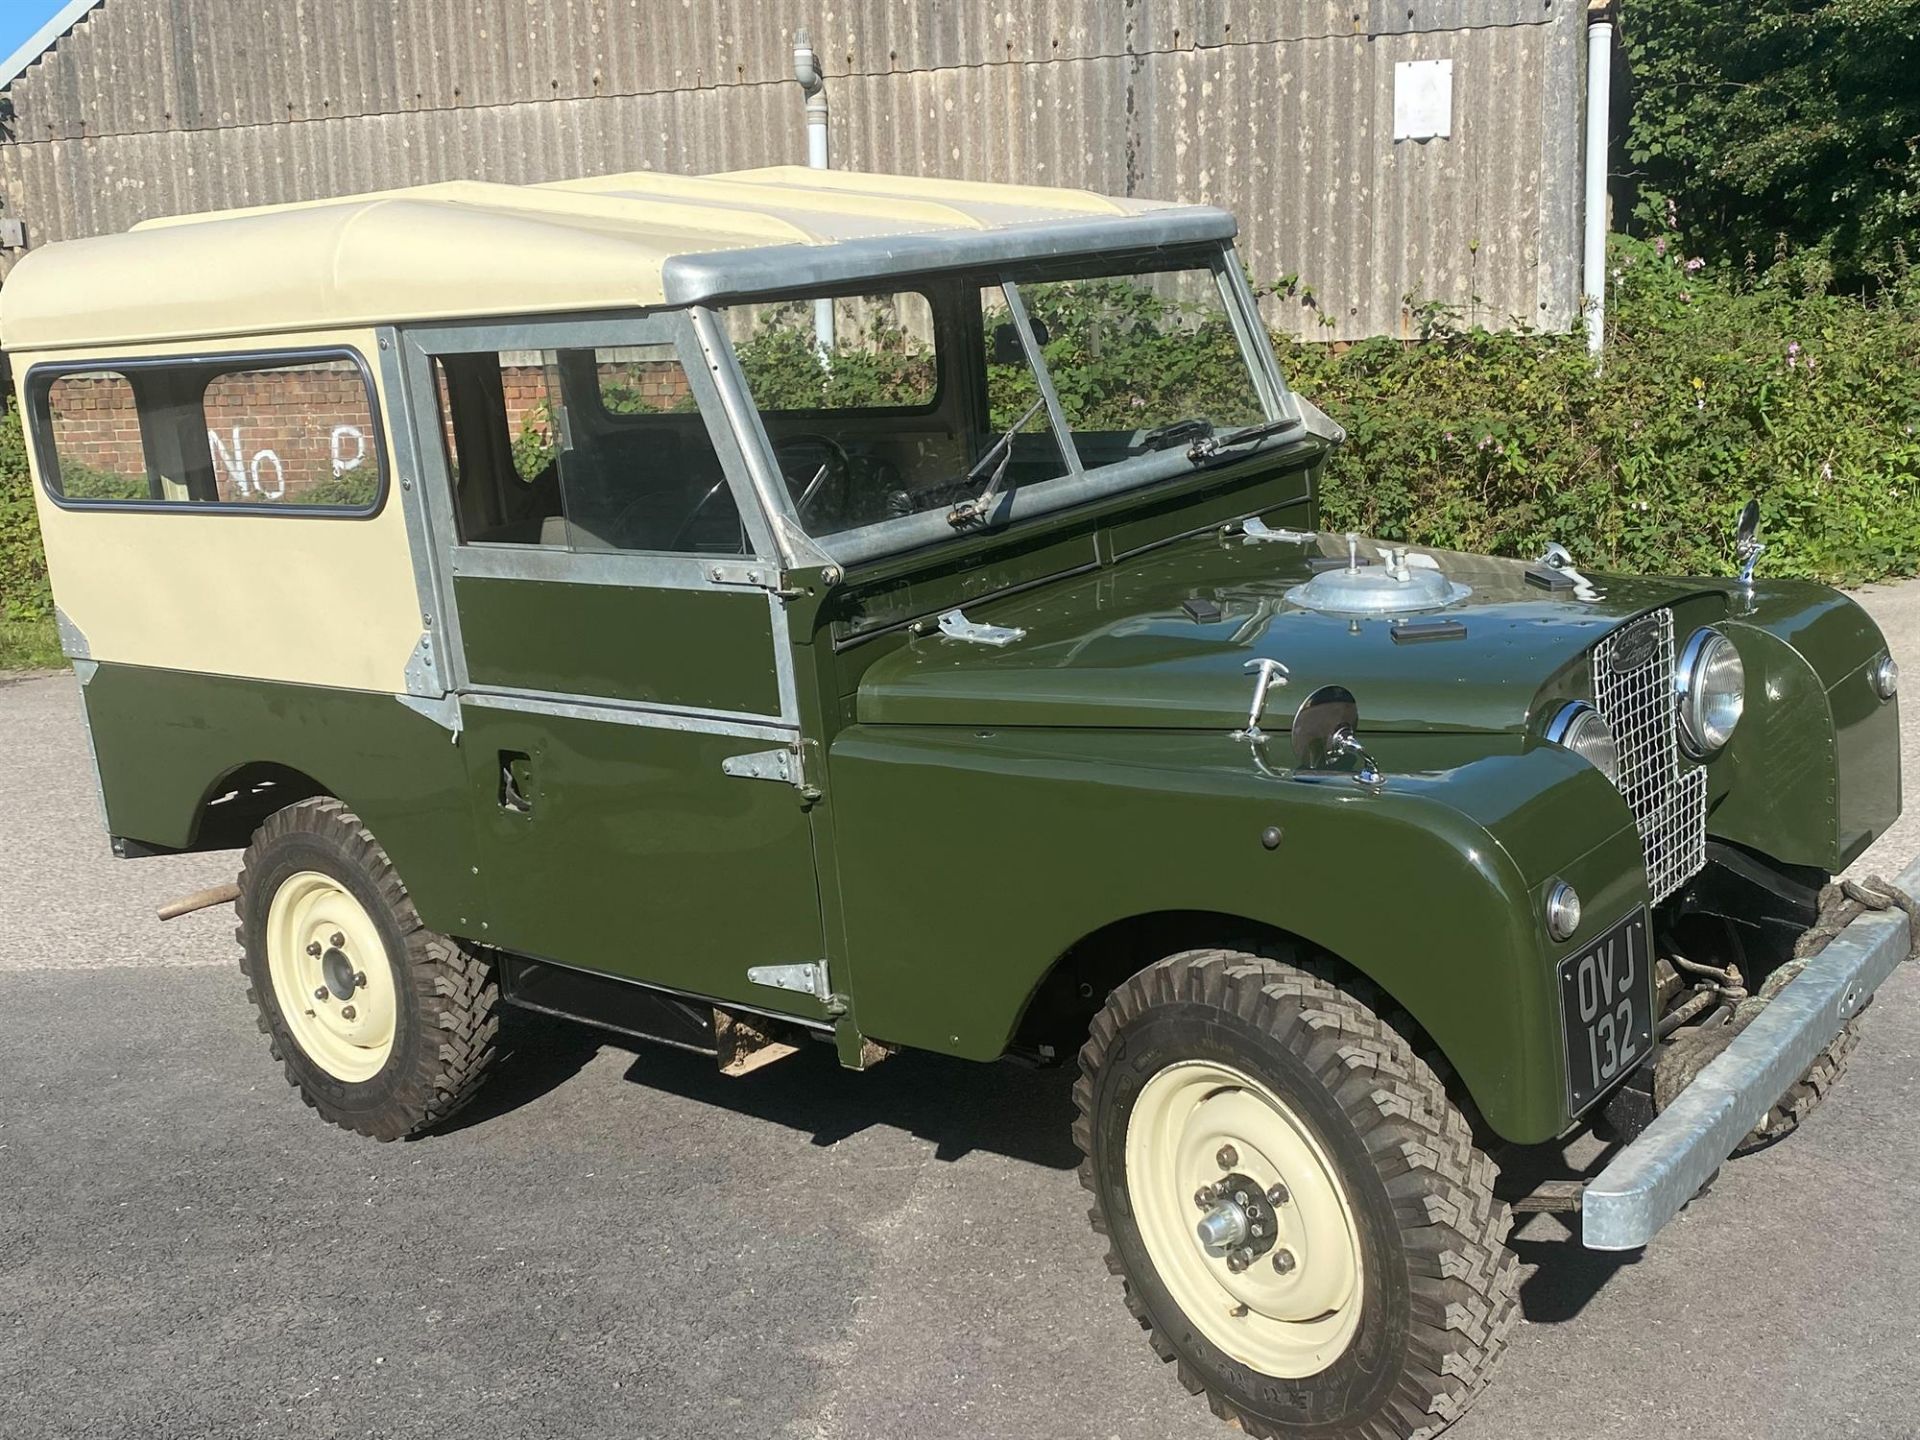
(1500, 442)
(1121, 354)
(23, 568)
(534, 447)
(1780, 134)
(880, 366)
(85, 482)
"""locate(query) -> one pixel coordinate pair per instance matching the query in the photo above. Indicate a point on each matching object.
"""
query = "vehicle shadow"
(958, 1105)
(1564, 1276)
(1005, 1109)
(536, 1054)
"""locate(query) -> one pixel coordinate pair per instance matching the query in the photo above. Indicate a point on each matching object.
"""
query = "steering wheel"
(806, 489)
(824, 488)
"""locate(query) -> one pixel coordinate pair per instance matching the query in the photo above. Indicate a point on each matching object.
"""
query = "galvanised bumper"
(1648, 1182)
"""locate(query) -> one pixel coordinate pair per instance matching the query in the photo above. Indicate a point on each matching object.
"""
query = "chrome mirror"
(1323, 735)
(1327, 712)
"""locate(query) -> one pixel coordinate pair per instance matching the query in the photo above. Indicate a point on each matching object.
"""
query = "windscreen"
(950, 399)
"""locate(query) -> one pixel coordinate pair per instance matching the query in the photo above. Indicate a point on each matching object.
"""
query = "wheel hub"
(342, 979)
(1240, 1216)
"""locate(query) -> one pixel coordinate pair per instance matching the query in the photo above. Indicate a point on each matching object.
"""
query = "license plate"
(1606, 1006)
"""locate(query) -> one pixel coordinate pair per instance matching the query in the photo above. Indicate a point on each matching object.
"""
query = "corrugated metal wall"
(1280, 110)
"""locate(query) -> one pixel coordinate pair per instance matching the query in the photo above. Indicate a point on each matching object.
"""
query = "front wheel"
(382, 1025)
(1296, 1209)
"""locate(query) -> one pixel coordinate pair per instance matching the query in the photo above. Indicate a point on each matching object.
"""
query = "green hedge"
(23, 569)
(1708, 395)
(1710, 392)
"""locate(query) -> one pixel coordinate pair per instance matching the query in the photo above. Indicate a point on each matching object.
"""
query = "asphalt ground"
(623, 1244)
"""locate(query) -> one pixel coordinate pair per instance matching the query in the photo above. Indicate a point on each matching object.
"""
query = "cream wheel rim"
(331, 976)
(1284, 1302)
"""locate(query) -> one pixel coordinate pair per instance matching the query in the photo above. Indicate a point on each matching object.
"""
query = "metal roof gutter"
(762, 270)
(43, 39)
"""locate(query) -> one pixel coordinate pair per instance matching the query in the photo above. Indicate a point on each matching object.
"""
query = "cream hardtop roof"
(465, 249)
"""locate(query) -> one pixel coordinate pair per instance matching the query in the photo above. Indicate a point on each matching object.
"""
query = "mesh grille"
(1633, 691)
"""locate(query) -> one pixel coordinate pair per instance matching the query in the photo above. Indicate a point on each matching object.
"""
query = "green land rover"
(781, 606)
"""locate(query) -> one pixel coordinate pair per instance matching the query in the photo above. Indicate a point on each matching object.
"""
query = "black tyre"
(383, 1026)
(1358, 1282)
(1806, 1093)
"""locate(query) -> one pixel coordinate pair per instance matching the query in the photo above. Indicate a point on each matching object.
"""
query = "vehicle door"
(625, 686)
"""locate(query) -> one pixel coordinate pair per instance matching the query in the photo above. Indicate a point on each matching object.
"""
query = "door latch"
(516, 782)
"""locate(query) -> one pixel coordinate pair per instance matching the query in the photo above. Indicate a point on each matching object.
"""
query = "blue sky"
(20, 18)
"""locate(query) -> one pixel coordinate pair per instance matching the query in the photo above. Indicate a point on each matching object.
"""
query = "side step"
(739, 1042)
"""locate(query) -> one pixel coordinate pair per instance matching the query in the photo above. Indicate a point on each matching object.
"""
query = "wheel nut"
(1239, 1260)
(1228, 1157)
(346, 1012)
(1203, 1197)
(337, 940)
(359, 979)
(321, 993)
(1283, 1261)
(313, 947)
(1278, 1195)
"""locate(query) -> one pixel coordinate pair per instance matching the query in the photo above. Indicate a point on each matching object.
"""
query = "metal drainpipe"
(806, 69)
(1599, 99)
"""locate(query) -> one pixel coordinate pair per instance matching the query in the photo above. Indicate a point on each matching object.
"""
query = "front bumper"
(1647, 1183)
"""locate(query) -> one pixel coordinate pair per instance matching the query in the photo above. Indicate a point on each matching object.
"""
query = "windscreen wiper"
(1165, 437)
(1209, 447)
(968, 511)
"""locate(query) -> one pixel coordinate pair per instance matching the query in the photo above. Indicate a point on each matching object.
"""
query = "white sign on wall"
(1423, 99)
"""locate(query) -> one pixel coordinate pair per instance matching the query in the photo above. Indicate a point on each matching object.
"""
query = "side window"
(294, 433)
(588, 450)
(94, 425)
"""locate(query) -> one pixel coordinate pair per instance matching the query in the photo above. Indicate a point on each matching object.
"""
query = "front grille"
(1633, 691)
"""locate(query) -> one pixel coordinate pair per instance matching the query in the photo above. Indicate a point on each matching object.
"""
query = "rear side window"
(275, 433)
(96, 437)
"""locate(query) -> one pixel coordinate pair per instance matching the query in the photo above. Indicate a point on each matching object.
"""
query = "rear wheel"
(1296, 1209)
(383, 1026)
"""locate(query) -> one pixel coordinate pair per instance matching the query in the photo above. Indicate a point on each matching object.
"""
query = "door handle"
(516, 782)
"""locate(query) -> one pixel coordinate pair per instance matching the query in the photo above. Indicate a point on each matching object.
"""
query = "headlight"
(1886, 677)
(1563, 910)
(1711, 686)
(1579, 728)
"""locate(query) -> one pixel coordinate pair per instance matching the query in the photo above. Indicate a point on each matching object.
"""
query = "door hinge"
(808, 979)
(782, 764)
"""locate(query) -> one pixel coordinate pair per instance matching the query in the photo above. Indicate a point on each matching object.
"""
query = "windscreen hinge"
(956, 626)
(746, 575)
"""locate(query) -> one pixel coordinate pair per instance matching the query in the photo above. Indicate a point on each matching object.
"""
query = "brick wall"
(94, 424)
(653, 384)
